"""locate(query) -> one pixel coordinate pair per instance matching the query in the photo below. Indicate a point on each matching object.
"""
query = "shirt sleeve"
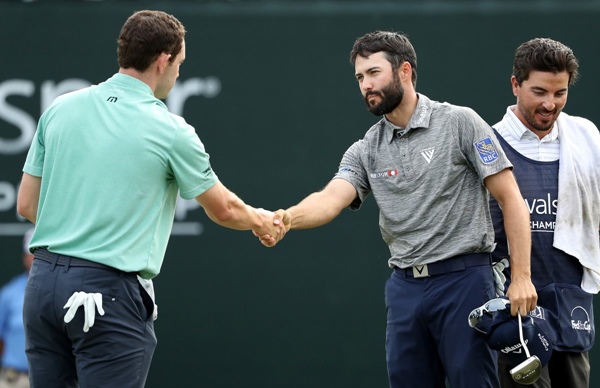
(34, 164)
(352, 169)
(479, 145)
(190, 164)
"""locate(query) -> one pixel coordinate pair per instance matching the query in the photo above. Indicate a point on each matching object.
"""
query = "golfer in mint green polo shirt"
(100, 182)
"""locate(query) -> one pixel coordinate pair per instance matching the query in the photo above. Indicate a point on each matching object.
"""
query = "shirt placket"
(404, 155)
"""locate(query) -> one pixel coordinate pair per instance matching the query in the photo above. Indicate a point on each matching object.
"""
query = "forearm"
(518, 233)
(29, 196)
(321, 207)
(521, 292)
(237, 215)
(313, 211)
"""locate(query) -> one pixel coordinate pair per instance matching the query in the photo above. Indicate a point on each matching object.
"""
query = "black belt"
(453, 264)
(69, 261)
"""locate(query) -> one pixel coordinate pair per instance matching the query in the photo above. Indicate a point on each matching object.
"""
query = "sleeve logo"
(487, 151)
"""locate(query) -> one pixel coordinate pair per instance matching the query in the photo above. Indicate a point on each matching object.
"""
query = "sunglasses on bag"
(479, 320)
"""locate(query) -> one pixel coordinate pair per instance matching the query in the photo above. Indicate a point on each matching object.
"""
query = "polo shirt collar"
(419, 119)
(131, 83)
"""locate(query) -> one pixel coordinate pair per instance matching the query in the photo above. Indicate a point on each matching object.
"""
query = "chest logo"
(427, 153)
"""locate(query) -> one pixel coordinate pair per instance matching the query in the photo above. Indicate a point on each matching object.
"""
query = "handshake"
(274, 226)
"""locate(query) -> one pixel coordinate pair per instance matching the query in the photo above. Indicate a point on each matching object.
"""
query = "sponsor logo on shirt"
(487, 151)
(384, 174)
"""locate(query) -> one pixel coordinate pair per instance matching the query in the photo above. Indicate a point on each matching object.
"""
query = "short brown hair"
(395, 45)
(147, 34)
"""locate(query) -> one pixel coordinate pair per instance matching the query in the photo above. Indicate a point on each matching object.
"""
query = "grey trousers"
(115, 352)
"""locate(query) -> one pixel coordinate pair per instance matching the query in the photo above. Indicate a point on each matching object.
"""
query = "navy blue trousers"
(115, 352)
(428, 338)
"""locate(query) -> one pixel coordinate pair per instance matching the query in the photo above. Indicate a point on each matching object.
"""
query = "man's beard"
(391, 96)
(542, 127)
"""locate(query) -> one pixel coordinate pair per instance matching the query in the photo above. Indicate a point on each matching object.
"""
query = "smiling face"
(540, 99)
(379, 84)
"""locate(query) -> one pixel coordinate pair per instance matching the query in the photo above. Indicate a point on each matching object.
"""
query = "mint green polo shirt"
(113, 161)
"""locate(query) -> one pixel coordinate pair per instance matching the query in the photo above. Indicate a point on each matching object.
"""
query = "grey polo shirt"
(427, 180)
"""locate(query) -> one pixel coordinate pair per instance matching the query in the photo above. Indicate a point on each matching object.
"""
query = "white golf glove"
(148, 285)
(90, 303)
(499, 277)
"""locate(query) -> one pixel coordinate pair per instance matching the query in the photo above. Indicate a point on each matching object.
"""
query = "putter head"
(528, 371)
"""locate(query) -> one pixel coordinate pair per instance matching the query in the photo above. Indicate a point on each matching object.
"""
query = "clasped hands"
(276, 224)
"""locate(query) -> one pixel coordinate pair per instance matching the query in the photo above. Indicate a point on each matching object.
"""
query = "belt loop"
(54, 262)
(67, 263)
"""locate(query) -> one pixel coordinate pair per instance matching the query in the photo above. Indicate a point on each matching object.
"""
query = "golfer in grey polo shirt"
(430, 167)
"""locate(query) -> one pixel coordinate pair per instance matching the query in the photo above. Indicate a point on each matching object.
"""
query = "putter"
(529, 370)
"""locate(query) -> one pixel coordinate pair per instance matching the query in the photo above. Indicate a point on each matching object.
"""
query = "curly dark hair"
(544, 54)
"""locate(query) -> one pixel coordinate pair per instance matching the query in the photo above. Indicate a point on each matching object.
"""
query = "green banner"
(273, 97)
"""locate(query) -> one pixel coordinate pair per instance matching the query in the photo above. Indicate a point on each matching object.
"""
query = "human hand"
(522, 295)
(90, 303)
(275, 229)
(285, 218)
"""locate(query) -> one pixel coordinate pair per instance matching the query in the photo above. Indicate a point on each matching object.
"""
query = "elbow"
(221, 216)
(26, 210)
(22, 209)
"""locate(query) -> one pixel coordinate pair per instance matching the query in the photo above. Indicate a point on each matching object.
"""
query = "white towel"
(578, 213)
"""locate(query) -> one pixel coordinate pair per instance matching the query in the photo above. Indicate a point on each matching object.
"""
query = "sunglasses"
(481, 317)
